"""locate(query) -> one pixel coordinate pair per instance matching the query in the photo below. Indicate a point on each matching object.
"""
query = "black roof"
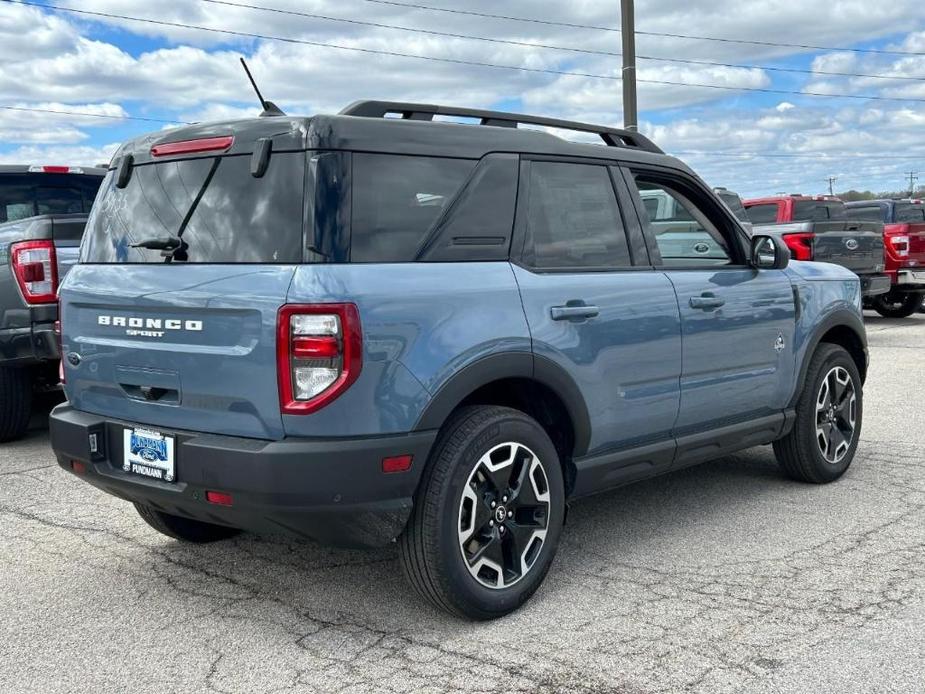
(24, 168)
(363, 126)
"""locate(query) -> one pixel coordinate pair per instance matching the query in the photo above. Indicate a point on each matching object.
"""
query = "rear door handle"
(574, 312)
(707, 301)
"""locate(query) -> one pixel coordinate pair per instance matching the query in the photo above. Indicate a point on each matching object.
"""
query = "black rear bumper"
(873, 285)
(330, 490)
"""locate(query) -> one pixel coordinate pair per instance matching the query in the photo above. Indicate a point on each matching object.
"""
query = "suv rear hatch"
(182, 333)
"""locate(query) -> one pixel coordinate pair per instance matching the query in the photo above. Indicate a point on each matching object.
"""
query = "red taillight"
(896, 237)
(206, 144)
(219, 498)
(36, 270)
(78, 467)
(800, 245)
(315, 347)
(319, 354)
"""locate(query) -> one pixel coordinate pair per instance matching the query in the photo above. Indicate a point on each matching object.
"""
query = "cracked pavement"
(721, 578)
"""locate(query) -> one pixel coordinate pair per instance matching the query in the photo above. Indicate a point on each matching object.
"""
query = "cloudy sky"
(181, 65)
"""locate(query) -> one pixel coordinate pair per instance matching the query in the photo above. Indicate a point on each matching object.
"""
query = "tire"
(15, 402)
(820, 421)
(453, 518)
(895, 305)
(184, 529)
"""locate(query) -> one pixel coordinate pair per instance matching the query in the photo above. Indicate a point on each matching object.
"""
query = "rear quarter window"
(396, 201)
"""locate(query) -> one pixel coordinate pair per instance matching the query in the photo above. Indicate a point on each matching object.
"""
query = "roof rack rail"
(612, 137)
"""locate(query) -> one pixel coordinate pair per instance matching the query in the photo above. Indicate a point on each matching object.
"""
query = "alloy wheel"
(504, 515)
(836, 415)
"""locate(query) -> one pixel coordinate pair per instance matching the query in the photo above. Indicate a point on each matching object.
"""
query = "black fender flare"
(496, 367)
(843, 318)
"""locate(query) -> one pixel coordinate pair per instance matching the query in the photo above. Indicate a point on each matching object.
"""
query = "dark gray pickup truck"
(817, 228)
(43, 210)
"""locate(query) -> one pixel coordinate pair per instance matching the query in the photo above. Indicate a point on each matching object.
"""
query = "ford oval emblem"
(73, 359)
(701, 248)
(851, 244)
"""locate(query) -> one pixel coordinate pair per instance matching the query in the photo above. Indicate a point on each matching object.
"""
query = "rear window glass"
(396, 201)
(817, 210)
(910, 213)
(762, 214)
(869, 213)
(237, 219)
(29, 194)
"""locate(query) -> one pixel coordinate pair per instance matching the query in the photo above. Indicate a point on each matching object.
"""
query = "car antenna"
(269, 108)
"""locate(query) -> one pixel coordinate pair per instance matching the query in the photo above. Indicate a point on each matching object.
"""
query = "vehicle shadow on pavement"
(651, 520)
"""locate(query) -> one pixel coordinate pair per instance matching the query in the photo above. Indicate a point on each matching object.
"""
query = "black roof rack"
(613, 137)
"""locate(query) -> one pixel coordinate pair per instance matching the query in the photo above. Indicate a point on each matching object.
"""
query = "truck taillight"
(800, 245)
(897, 239)
(36, 270)
(319, 354)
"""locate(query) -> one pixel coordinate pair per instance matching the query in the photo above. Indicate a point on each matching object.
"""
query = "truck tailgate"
(856, 246)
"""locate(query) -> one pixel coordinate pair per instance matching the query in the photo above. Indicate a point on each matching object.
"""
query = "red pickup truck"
(904, 241)
(817, 228)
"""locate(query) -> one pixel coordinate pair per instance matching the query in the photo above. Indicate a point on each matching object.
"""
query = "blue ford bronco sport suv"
(380, 325)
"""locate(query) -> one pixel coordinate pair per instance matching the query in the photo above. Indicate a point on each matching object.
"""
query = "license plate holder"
(150, 454)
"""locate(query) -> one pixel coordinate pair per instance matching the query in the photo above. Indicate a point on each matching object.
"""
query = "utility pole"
(831, 180)
(628, 31)
(913, 177)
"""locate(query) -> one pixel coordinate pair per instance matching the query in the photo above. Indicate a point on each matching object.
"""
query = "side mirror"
(769, 253)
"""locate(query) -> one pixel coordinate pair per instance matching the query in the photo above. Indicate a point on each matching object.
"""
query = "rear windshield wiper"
(160, 243)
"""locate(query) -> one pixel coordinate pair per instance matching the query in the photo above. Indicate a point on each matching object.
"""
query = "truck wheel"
(185, 529)
(896, 305)
(15, 402)
(488, 514)
(825, 435)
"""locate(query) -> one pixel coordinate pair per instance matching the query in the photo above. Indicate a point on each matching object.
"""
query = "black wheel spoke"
(488, 547)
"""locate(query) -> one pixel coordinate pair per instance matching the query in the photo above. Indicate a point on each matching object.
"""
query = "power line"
(570, 25)
(458, 61)
(775, 155)
(91, 115)
(546, 46)
(793, 155)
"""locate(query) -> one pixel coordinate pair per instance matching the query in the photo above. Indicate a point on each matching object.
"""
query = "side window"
(396, 200)
(684, 234)
(762, 214)
(572, 218)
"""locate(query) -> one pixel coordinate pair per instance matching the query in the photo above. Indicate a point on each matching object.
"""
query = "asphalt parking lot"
(722, 578)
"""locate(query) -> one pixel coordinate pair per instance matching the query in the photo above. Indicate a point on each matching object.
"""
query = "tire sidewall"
(833, 356)
(476, 597)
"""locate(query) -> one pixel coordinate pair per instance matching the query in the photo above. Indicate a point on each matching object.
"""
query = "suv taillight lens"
(36, 270)
(800, 245)
(319, 354)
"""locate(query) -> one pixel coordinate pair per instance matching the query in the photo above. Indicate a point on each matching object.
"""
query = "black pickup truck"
(817, 228)
(43, 210)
